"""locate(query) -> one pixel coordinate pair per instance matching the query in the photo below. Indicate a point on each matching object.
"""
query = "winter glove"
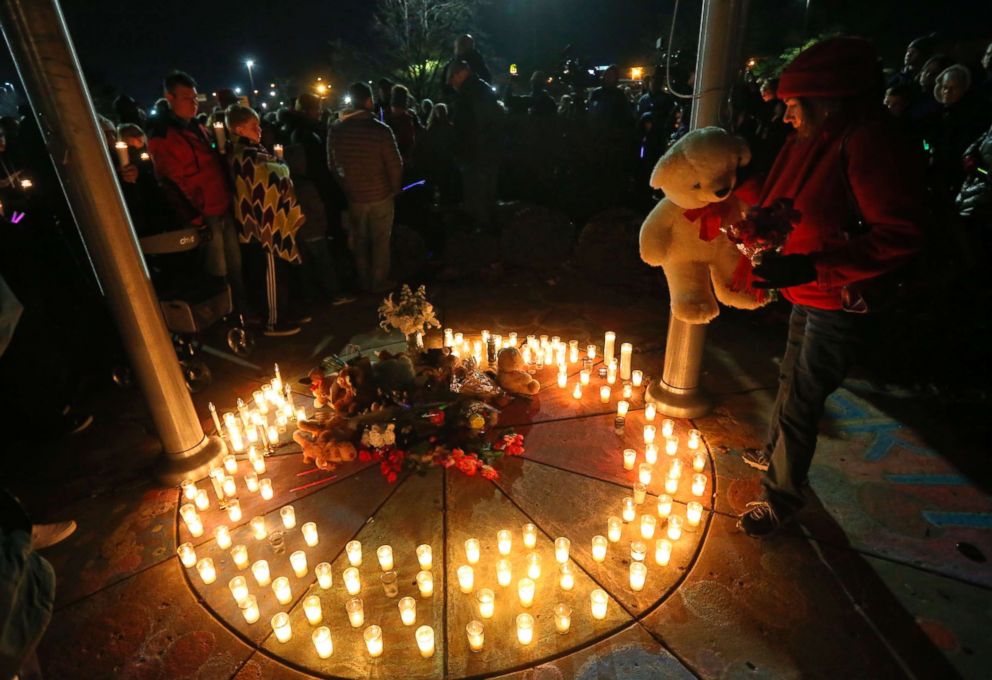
(784, 271)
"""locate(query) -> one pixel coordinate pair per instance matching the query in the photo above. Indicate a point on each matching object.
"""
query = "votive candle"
(525, 629)
(534, 565)
(476, 635)
(698, 484)
(239, 588)
(281, 627)
(693, 513)
(504, 572)
(698, 461)
(356, 612)
(425, 556)
(425, 583)
(650, 454)
(312, 609)
(201, 500)
(258, 465)
(664, 505)
(566, 577)
(694, 439)
(562, 379)
(636, 378)
(562, 546)
(563, 618)
(583, 377)
(298, 560)
(258, 529)
(638, 575)
(352, 581)
(674, 528)
(310, 534)
(234, 510)
(648, 523)
(265, 487)
(611, 371)
(604, 394)
(249, 609)
(628, 391)
(223, 537)
(487, 603)
(671, 485)
(385, 555)
(425, 641)
(599, 544)
(251, 482)
(671, 445)
(591, 351)
(373, 640)
(187, 554)
(354, 551)
(466, 578)
(525, 591)
(577, 391)
(626, 351)
(649, 432)
(280, 586)
(598, 600)
(322, 642)
(629, 512)
(622, 408)
(325, 577)
(239, 555)
(230, 464)
(288, 515)
(614, 529)
(667, 427)
(472, 550)
(649, 412)
(638, 551)
(504, 541)
(629, 458)
(640, 493)
(230, 488)
(207, 571)
(530, 535)
(662, 551)
(189, 489)
(644, 474)
(408, 610)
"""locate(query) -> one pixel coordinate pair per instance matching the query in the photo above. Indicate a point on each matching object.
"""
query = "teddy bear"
(326, 441)
(682, 234)
(511, 373)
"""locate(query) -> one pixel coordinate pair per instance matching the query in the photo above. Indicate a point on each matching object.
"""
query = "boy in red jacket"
(859, 190)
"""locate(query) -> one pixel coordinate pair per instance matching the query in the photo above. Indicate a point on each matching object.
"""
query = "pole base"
(192, 464)
(677, 403)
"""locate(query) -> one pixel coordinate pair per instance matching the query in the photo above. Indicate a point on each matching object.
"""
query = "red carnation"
(436, 418)
(489, 472)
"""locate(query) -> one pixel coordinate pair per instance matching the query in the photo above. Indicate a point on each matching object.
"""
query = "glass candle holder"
(667, 427)
(258, 529)
(638, 575)
(566, 577)
(373, 640)
(583, 378)
(644, 474)
(629, 458)
(234, 510)
(638, 551)
(187, 554)
(611, 372)
(637, 378)
(628, 512)
(239, 555)
(229, 487)
(189, 489)
(476, 635)
(201, 500)
(534, 565)
(258, 465)
(562, 380)
(650, 454)
(640, 491)
(530, 536)
(623, 407)
(239, 588)
(310, 534)
(312, 609)
(590, 351)
(466, 578)
(425, 556)
(698, 484)
(599, 545)
(525, 591)
(390, 586)
(504, 572)
(650, 411)
(598, 600)
(604, 394)
(425, 583)
(671, 485)
(281, 627)
(694, 439)
(693, 513)
(628, 391)
(385, 556)
(562, 546)
(648, 523)
(614, 529)
(425, 641)
(664, 505)
(563, 618)
(662, 552)
(280, 586)
(487, 603)
(674, 528)
(354, 551)
(671, 445)
(408, 610)
(356, 612)
(352, 581)
(322, 642)
(298, 560)
(207, 571)
(230, 464)
(698, 461)
(288, 515)
(525, 629)
(511, 339)
(649, 434)
(249, 609)
(472, 550)
(325, 577)
(577, 391)
(504, 542)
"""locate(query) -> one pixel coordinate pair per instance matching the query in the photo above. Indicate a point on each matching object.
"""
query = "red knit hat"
(836, 67)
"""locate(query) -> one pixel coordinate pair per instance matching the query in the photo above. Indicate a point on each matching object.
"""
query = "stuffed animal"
(326, 442)
(682, 234)
(511, 374)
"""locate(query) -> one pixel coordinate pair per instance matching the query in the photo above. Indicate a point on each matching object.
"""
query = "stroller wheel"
(241, 341)
(197, 374)
(121, 375)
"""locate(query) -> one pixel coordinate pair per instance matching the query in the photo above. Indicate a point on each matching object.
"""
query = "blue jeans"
(820, 349)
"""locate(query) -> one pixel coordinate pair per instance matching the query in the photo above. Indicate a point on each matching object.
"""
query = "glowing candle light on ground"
(511, 340)
(466, 578)
(352, 581)
(598, 601)
(425, 556)
(583, 378)
(525, 591)
(637, 378)
(638, 575)
(599, 544)
(629, 512)
(638, 551)
(650, 410)
(504, 541)
(628, 391)
(189, 489)
(449, 337)
(476, 635)
(693, 513)
(650, 454)
(425, 641)
(325, 577)
(671, 485)
(373, 640)
(626, 351)
(207, 571)
(310, 534)
(280, 586)
(563, 618)
(614, 529)
(562, 380)
(258, 529)
(251, 482)
(622, 408)
(265, 488)
(662, 552)
(534, 566)
(698, 485)
(591, 352)
(644, 473)
(604, 394)
(525, 629)
(230, 464)
(258, 465)
(487, 603)
(648, 523)
(699, 462)
(385, 556)
(311, 607)
(504, 572)
(530, 536)
(674, 528)
(239, 588)
(239, 555)
(562, 546)
(611, 372)
(640, 493)
(234, 510)
(425, 583)
(298, 560)
(408, 610)
(609, 342)
(389, 584)
(354, 551)
(649, 434)
(187, 554)
(472, 550)
(288, 515)
(664, 505)
(667, 427)
(629, 458)
(694, 439)
(671, 445)
(223, 537)
(577, 391)
(356, 612)
(322, 642)
(281, 627)
(249, 609)
(566, 577)
(230, 489)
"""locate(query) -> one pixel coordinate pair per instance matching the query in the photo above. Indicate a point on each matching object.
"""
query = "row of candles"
(250, 428)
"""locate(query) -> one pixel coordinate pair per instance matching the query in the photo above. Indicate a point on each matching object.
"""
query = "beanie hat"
(836, 67)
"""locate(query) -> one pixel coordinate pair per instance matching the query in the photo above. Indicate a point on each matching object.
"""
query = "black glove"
(784, 271)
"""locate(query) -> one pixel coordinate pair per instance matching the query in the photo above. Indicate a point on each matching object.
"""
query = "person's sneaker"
(281, 330)
(756, 458)
(760, 519)
(45, 535)
(342, 300)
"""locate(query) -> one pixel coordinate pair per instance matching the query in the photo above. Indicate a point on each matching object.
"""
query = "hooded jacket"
(183, 155)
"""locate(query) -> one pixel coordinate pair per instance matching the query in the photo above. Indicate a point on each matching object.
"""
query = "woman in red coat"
(859, 189)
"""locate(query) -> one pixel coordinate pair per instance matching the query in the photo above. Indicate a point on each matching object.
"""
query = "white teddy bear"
(682, 234)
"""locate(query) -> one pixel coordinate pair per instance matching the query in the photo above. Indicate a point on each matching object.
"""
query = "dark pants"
(318, 271)
(820, 349)
(267, 277)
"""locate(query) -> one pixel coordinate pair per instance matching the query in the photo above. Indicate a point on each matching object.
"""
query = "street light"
(251, 79)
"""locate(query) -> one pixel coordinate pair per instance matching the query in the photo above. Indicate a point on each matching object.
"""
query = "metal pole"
(42, 51)
(721, 29)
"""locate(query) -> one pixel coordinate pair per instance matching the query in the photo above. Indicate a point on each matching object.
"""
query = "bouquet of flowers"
(410, 315)
(763, 229)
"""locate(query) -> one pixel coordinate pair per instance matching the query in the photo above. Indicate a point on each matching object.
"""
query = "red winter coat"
(183, 155)
(886, 179)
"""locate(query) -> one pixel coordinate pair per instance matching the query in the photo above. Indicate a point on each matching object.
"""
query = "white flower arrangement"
(412, 314)
(380, 436)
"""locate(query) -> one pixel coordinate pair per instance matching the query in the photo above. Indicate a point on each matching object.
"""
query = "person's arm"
(392, 160)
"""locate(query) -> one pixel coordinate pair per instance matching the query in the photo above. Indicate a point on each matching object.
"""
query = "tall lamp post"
(251, 78)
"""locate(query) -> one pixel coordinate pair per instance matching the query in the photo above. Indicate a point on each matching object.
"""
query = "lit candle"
(563, 618)
(373, 640)
(649, 412)
(273, 435)
(230, 489)
(251, 482)
(583, 377)
(221, 136)
(278, 150)
(449, 337)
(667, 427)
(408, 610)
(466, 578)
(322, 642)
(511, 340)
(356, 612)
(662, 552)
(525, 629)
(310, 533)
(504, 572)
(609, 342)
(504, 541)
(566, 577)
(189, 489)
(611, 371)
(425, 583)
(694, 438)
(644, 473)
(650, 454)
(325, 577)
(193, 523)
(671, 485)
(614, 529)
(638, 574)
(648, 523)
(459, 339)
(476, 636)
(640, 493)
(487, 603)
(311, 607)
(604, 394)
(265, 487)
(562, 379)
(534, 565)
(628, 391)
(699, 461)
(354, 550)
(234, 510)
(628, 512)
(693, 513)
(598, 599)
(675, 469)
(239, 555)
(223, 537)
(525, 591)
(280, 586)
(385, 556)
(298, 560)
(425, 556)
(626, 349)
(258, 529)
(671, 445)
(258, 465)
(352, 581)
(472, 550)
(698, 485)
(629, 457)
(202, 500)
(664, 505)
(210, 405)
(288, 515)
(249, 609)
(122, 155)
(573, 352)
(591, 351)
(649, 433)
(497, 341)
(674, 528)
(207, 571)
(622, 408)
(577, 391)
(425, 641)
(239, 588)
(599, 544)
(530, 535)
(187, 554)
(230, 464)
(638, 551)
(562, 546)
(637, 377)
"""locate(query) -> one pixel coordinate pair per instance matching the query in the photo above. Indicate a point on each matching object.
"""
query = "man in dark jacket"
(183, 155)
(362, 152)
(465, 51)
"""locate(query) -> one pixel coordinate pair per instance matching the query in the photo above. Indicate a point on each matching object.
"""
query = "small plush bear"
(511, 374)
(326, 442)
(682, 234)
